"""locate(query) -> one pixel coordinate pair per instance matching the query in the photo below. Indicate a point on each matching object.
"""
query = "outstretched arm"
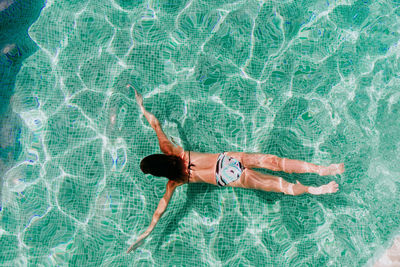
(171, 185)
(165, 145)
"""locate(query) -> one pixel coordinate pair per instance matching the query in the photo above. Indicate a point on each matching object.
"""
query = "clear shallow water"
(312, 80)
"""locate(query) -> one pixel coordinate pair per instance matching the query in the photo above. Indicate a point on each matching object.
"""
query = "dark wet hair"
(169, 166)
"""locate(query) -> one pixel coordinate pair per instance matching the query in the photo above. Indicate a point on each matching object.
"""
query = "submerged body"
(205, 170)
(234, 169)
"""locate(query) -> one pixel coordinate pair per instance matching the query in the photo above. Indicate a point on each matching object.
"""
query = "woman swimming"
(232, 169)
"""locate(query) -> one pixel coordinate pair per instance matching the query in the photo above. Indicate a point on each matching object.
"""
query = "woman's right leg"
(255, 180)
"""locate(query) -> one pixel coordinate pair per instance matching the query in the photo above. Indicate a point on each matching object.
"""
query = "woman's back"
(203, 168)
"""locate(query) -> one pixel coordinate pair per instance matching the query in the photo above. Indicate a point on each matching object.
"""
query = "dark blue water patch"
(15, 46)
(18, 17)
(11, 152)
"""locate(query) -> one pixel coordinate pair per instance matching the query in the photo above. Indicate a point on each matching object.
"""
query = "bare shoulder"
(178, 151)
(173, 150)
(173, 184)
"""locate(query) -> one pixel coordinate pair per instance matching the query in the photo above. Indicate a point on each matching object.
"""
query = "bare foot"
(332, 187)
(332, 169)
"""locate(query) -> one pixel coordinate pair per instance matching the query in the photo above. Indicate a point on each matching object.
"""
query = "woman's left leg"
(274, 163)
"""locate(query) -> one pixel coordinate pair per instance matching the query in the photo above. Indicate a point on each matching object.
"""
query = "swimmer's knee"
(289, 190)
(272, 162)
(282, 165)
(285, 187)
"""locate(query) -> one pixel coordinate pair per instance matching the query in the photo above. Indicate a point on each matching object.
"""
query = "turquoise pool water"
(311, 80)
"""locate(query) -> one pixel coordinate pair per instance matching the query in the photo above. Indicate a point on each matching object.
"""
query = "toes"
(342, 167)
(333, 187)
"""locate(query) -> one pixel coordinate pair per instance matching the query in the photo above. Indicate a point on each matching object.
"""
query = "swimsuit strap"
(189, 165)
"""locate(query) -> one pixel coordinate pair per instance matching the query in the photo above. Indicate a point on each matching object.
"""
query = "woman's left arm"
(165, 145)
(162, 205)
